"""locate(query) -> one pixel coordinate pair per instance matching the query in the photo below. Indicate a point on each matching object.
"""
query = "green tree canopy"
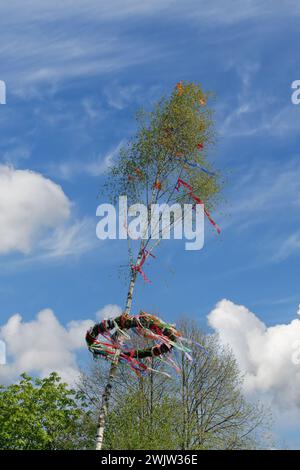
(178, 129)
(43, 414)
(203, 407)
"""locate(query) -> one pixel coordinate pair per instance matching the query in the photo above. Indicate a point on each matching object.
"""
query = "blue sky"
(75, 74)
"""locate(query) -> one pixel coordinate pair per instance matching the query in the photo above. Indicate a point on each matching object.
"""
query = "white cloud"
(268, 356)
(29, 203)
(110, 310)
(41, 346)
(298, 312)
(44, 345)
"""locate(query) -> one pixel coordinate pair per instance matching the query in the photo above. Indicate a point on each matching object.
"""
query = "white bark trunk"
(104, 407)
(113, 370)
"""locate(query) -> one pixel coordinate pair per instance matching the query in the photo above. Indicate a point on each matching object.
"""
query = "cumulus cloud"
(29, 203)
(44, 345)
(268, 356)
(41, 346)
(110, 310)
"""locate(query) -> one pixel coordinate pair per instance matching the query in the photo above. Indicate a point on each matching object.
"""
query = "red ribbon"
(183, 183)
(180, 88)
(138, 267)
(180, 183)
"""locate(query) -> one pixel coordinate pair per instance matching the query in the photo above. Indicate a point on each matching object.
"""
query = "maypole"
(166, 163)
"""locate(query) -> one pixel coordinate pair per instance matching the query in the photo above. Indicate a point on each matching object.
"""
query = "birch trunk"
(113, 370)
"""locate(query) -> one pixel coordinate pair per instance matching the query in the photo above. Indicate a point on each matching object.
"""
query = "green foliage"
(203, 407)
(166, 137)
(134, 425)
(42, 414)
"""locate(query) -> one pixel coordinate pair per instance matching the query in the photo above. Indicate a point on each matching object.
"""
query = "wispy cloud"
(92, 167)
(234, 12)
(260, 192)
(49, 51)
(16, 154)
(119, 96)
(257, 115)
(264, 211)
(71, 240)
(119, 10)
(90, 108)
(67, 242)
(49, 42)
(288, 247)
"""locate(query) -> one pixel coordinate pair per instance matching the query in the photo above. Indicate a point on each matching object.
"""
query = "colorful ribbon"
(138, 267)
(157, 185)
(180, 183)
(197, 200)
(180, 88)
(194, 165)
(138, 174)
(150, 327)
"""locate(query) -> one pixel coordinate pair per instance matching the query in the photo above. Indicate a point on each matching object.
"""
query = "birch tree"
(172, 142)
(203, 407)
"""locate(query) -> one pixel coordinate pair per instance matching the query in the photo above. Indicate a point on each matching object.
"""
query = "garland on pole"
(103, 342)
(176, 128)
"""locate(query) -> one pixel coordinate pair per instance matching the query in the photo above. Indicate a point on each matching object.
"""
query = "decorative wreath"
(113, 335)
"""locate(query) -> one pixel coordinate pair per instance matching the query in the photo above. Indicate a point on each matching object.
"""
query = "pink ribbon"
(180, 183)
(138, 267)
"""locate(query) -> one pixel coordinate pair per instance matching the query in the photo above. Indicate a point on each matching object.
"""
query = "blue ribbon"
(194, 165)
